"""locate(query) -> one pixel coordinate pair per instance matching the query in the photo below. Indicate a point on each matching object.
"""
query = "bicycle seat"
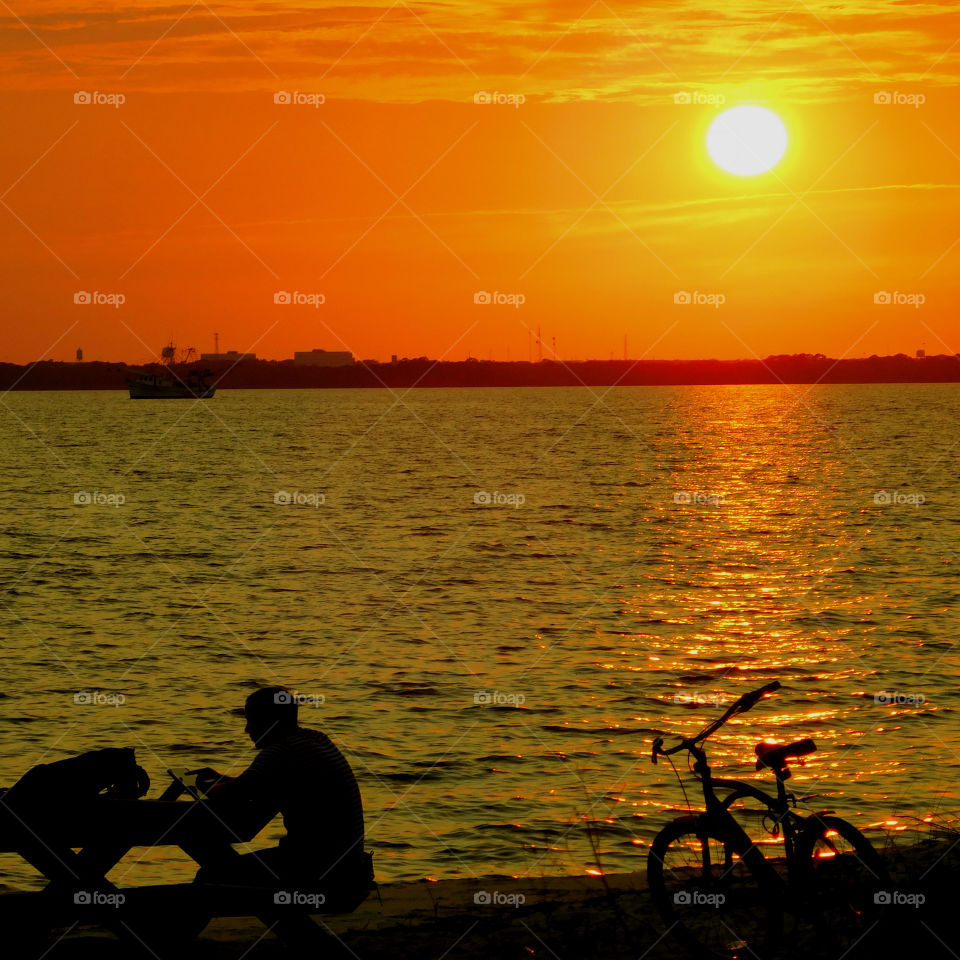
(776, 756)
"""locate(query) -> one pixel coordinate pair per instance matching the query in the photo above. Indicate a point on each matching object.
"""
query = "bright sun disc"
(746, 140)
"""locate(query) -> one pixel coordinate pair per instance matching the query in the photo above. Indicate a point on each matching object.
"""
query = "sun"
(747, 140)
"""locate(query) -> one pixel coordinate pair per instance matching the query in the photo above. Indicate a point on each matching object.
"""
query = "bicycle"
(717, 892)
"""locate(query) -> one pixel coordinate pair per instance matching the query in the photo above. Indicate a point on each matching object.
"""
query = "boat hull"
(162, 388)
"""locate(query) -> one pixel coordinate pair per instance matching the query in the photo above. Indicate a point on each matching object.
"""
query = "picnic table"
(75, 849)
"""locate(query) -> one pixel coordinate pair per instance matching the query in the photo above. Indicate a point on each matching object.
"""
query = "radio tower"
(216, 343)
(539, 347)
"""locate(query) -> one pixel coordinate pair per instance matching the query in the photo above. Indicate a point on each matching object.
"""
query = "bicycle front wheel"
(844, 882)
(707, 896)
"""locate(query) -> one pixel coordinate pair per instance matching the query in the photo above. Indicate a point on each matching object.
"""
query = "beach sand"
(562, 918)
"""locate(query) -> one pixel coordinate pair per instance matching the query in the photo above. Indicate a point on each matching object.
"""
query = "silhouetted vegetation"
(423, 372)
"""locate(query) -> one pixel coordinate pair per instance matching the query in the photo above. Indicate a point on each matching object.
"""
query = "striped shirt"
(307, 779)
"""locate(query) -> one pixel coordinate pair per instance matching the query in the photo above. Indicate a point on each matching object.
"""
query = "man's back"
(307, 779)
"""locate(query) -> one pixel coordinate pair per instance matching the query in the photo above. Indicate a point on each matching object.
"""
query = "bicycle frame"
(718, 817)
(780, 807)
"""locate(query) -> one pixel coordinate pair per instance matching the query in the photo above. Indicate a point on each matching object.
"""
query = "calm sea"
(491, 599)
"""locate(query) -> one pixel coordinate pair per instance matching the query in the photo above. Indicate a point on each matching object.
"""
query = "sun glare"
(747, 140)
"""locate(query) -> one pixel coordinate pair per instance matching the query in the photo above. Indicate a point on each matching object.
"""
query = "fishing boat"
(172, 380)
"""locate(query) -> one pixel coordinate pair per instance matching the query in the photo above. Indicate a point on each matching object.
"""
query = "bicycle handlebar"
(744, 703)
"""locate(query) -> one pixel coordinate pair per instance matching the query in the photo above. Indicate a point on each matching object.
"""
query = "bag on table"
(111, 772)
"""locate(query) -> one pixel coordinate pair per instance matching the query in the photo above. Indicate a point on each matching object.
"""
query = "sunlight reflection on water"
(494, 673)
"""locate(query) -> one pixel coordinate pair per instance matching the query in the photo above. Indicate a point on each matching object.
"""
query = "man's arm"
(256, 783)
(223, 787)
(207, 777)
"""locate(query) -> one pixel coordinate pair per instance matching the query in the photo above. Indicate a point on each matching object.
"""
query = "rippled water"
(595, 614)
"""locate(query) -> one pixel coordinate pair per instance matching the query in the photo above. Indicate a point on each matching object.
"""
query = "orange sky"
(399, 198)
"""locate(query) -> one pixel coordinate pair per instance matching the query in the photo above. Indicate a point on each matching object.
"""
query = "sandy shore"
(563, 918)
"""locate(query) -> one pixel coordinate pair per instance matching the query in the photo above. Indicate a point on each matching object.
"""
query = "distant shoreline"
(422, 372)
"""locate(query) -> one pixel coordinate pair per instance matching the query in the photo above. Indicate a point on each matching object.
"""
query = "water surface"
(494, 671)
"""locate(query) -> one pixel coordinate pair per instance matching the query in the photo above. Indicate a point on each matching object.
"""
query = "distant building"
(322, 358)
(921, 353)
(229, 355)
(79, 354)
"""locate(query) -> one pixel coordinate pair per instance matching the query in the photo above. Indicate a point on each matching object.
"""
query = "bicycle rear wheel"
(843, 879)
(707, 896)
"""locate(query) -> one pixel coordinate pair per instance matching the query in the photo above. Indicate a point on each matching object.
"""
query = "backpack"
(111, 772)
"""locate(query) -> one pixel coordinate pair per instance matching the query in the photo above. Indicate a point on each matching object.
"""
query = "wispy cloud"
(556, 50)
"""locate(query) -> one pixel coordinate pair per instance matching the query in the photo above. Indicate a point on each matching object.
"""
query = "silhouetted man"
(301, 774)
